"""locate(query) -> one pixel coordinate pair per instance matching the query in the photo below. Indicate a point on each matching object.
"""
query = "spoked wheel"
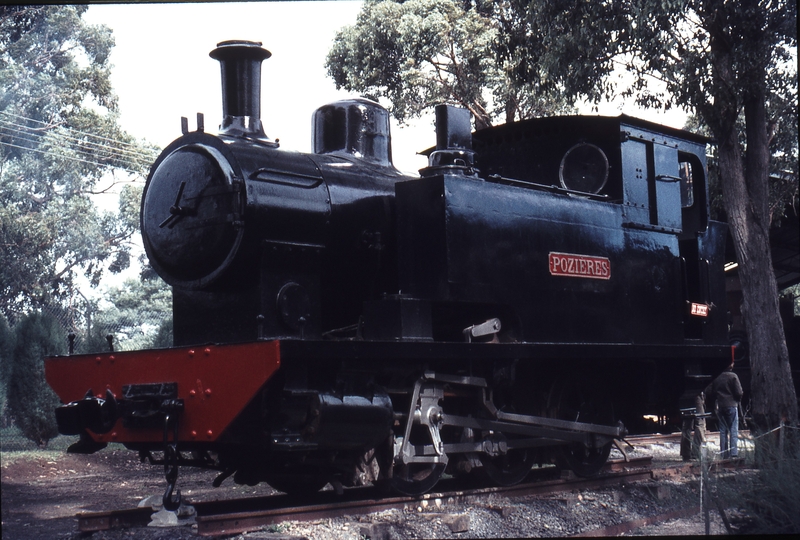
(585, 461)
(416, 478)
(509, 469)
(577, 401)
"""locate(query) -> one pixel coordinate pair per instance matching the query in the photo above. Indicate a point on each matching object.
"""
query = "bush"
(6, 351)
(163, 338)
(31, 402)
(770, 502)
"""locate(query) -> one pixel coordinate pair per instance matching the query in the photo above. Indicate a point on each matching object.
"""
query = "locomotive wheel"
(585, 461)
(297, 482)
(514, 466)
(578, 401)
(416, 478)
(506, 469)
(509, 469)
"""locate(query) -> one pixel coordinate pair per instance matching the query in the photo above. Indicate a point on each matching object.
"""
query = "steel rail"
(655, 438)
(223, 524)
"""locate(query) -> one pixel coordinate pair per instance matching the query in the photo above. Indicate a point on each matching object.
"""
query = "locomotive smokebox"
(358, 127)
(240, 63)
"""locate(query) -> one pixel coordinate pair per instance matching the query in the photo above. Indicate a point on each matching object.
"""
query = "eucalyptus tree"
(60, 144)
(419, 53)
(6, 355)
(137, 314)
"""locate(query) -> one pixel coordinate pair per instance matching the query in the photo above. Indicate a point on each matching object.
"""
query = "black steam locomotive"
(539, 287)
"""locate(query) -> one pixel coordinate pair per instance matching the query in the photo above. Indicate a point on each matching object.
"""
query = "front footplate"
(124, 397)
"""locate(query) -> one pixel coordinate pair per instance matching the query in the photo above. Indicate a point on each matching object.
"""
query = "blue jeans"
(728, 427)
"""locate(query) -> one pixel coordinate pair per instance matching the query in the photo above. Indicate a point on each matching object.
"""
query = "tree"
(783, 185)
(60, 144)
(6, 355)
(138, 314)
(31, 402)
(721, 60)
(420, 53)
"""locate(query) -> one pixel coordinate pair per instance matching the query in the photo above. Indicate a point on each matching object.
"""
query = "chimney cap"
(239, 47)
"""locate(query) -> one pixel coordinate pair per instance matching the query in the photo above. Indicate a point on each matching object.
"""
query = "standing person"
(727, 391)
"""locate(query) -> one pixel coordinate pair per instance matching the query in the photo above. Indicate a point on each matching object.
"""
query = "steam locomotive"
(528, 298)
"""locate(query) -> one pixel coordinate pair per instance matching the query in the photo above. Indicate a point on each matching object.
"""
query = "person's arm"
(737, 390)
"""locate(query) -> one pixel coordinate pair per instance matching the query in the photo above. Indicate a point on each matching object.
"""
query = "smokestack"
(240, 64)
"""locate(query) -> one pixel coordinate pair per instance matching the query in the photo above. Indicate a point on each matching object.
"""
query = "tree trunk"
(745, 195)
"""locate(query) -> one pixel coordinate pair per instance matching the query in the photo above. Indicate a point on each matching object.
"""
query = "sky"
(162, 70)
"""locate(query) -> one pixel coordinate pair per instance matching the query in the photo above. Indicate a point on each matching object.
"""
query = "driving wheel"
(577, 401)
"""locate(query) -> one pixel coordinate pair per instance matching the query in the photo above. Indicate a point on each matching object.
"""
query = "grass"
(771, 499)
(15, 447)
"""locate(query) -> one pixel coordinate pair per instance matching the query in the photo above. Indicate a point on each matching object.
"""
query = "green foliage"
(6, 356)
(783, 186)
(419, 53)
(30, 401)
(14, 446)
(707, 57)
(137, 314)
(60, 144)
(792, 295)
(164, 336)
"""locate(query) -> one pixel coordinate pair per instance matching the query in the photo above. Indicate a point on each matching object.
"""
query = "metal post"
(704, 489)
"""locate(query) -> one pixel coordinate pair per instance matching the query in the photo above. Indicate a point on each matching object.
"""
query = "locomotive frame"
(338, 321)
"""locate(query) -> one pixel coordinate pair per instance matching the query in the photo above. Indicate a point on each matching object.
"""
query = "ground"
(43, 491)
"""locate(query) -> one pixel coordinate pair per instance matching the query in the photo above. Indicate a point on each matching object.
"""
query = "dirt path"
(42, 495)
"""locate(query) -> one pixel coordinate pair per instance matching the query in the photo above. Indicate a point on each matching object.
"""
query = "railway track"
(224, 517)
(240, 515)
(658, 438)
